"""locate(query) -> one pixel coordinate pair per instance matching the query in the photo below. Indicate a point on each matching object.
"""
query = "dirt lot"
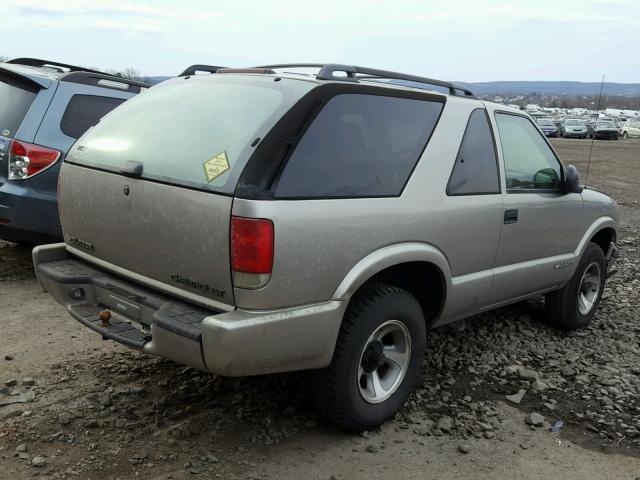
(73, 406)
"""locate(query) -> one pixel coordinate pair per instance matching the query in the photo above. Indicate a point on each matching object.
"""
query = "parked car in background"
(44, 107)
(605, 130)
(574, 127)
(547, 126)
(631, 129)
(321, 223)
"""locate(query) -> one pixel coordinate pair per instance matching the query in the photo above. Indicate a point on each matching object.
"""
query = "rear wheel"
(574, 305)
(376, 362)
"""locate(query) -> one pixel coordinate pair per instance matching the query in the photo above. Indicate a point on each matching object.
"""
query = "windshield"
(15, 99)
(575, 123)
(605, 125)
(196, 131)
(545, 122)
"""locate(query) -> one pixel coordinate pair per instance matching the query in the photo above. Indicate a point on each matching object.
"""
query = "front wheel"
(376, 362)
(575, 304)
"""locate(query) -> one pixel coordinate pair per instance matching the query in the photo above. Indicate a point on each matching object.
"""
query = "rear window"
(83, 111)
(16, 97)
(359, 146)
(198, 131)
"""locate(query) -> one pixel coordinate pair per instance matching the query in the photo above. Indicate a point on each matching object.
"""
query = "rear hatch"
(16, 96)
(147, 193)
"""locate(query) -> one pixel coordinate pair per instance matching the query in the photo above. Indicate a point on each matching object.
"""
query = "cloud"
(465, 39)
(111, 15)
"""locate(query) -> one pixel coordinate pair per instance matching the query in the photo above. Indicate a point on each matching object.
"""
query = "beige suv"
(248, 222)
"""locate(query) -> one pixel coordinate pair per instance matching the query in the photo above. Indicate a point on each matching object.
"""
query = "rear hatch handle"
(132, 168)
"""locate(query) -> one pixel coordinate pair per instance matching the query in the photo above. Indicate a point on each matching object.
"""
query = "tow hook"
(105, 316)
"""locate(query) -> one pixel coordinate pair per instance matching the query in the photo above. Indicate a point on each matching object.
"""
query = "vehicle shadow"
(15, 261)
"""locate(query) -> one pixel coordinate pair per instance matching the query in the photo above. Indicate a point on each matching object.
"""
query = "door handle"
(511, 216)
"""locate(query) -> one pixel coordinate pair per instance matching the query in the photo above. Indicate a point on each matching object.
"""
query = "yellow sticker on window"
(216, 166)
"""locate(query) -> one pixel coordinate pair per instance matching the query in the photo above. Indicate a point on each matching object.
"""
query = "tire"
(625, 135)
(564, 310)
(337, 391)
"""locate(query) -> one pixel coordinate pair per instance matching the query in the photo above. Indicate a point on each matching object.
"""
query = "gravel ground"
(72, 406)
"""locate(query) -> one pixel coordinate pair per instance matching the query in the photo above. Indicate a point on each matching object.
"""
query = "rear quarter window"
(83, 111)
(359, 146)
(16, 97)
(475, 171)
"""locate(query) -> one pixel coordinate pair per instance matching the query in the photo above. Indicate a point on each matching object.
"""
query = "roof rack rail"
(105, 80)
(245, 70)
(353, 74)
(193, 69)
(294, 65)
(37, 62)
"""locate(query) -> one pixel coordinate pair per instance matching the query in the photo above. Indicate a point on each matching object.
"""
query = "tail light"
(252, 243)
(27, 160)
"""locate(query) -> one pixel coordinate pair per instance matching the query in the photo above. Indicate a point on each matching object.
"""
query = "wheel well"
(423, 280)
(603, 238)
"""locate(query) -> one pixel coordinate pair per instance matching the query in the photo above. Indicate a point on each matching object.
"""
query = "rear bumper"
(234, 343)
(32, 216)
(605, 135)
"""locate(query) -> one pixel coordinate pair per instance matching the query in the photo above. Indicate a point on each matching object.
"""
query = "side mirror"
(572, 180)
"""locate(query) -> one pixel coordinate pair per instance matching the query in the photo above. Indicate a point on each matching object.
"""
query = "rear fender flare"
(389, 256)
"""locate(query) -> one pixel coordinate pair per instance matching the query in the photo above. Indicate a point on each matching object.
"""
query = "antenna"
(593, 137)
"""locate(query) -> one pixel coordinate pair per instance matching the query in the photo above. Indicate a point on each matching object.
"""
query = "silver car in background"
(574, 128)
(248, 222)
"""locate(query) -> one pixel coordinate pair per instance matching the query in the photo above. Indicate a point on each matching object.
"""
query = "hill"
(560, 88)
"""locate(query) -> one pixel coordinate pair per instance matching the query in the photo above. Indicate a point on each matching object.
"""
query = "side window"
(476, 168)
(85, 110)
(529, 162)
(359, 146)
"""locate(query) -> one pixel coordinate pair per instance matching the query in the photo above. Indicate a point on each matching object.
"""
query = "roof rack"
(85, 76)
(105, 80)
(193, 69)
(37, 62)
(354, 74)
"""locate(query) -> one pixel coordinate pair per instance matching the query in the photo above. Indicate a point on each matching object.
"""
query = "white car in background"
(631, 129)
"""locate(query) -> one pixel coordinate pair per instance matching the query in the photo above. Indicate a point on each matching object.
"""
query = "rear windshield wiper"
(132, 168)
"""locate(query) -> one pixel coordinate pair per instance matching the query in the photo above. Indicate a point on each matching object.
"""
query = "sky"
(463, 40)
